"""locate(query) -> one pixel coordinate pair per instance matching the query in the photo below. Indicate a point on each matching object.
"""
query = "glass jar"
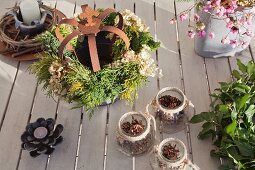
(171, 154)
(136, 133)
(169, 107)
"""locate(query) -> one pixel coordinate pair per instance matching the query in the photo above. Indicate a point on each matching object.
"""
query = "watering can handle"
(152, 117)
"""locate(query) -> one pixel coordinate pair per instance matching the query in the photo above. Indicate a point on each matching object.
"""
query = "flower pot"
(138, 142)
(171, 118)
(176, 160)
(104, 49)
(212, 47)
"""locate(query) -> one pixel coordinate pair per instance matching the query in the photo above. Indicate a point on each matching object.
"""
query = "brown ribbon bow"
(90, 24)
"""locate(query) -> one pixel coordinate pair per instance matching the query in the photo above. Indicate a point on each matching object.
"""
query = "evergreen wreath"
(123, 69)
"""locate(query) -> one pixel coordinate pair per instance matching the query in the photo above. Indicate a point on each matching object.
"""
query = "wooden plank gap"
(179, 48)
(230, 67)
(105, 152)
(74, 10)
(56, 4)
(134, 8)
(9, 97)
(176, 25)
(55, 117)
(252, 55)
(207, 79)
(106, 135)
(78, 142)
(156, 39)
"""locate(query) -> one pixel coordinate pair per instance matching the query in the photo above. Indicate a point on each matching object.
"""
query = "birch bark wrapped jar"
(136, 133)
(171, 154)
(168, 107)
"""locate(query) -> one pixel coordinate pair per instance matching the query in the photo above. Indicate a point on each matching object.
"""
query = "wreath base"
(26, 54)
(107, 102)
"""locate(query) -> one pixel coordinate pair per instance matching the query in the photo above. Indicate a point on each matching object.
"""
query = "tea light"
(30, 11)
(40, 132)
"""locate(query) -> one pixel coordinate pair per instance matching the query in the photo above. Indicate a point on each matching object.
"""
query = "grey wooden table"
(90, 144)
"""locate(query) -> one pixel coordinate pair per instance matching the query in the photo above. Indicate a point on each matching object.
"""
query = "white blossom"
(130, 19)
(146, 64)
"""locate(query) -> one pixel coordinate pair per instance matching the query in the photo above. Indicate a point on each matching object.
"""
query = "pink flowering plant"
(238, 23)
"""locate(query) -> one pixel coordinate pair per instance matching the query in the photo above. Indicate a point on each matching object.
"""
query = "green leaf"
(245, 148)
(218, 153)
(242, 101)
(224, 86)
(208, 116)
(206, 133)
(197, 119)
(243, 88)
(236, 74)
(226, 167)
(241, 66)
(203, 116)
(230, 129)
(250, 68)
(234, 114)
(250, 112)
(240, 90)
(219, 117)
(223, 108)
(208, 125)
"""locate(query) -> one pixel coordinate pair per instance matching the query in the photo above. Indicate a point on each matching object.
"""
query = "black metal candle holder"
(37, 26)
(41, 137)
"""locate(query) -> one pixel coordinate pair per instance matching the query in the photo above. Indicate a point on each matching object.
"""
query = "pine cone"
(41, 137)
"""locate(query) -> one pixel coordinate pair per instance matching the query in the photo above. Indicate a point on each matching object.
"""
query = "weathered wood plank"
(82, 2)
(145, 10)
(43, 107)
(20, 105)
(245, 56)
(218, 70)
(168, 55)
(121, 5)
(8, 70)
(197, 91)
(115, 160)
(116, 110)
(66, 7)
(166, 33)
(92, 142)
(65, 156)
(104, 3)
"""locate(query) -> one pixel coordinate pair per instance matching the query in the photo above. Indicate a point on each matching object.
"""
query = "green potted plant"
(231, 123)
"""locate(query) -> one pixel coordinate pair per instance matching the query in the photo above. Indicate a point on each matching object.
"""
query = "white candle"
(30, 11)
